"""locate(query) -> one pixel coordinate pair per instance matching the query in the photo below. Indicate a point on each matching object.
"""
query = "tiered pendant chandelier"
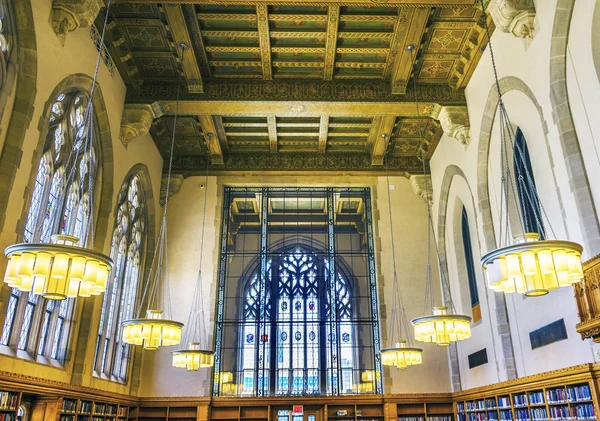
(65, 268)
(441, 327)
(195, 356)
(154, 331)
(526, 264)
(402, 354)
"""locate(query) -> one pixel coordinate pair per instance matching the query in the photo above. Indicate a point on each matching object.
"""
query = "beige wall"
(55, 63)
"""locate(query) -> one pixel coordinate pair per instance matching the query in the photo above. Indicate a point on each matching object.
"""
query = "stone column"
(455, 123)
(136, 121)
(68, 15)
(514, 16)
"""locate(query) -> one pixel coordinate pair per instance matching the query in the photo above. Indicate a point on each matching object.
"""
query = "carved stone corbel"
(176, 182)
(136, 121)
(514, 16)
(418, 185)
(68, 15)
(455, 123)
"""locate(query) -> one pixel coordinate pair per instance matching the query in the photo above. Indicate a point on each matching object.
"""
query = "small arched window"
(471, 276)
(33, 324)
(127, 251)
(526, 189)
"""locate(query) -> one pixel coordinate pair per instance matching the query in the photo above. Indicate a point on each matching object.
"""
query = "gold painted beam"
(221, 133)
(348, 134)
(323, 130)
(298, 64)
(298, 125)
(231, 49)
(355, 50)
(210, 136)
(244, 124)
(367, 18)
(233, 34)
(293, 34)
(249, 134)
(316, 50)
(296, 108)
(417, 3)
(350, 125)
(315, 135)
(264, 40)
(226, 16)
(272, 126)
(333, 16)
(355, 65)
(373, 35)
(220, 63)
(404, 61)
(180, 33)
(297, 17)
(382, 139)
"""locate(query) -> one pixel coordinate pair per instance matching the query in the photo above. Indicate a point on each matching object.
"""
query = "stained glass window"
(59, 203)
(128, 246)
(296, 290)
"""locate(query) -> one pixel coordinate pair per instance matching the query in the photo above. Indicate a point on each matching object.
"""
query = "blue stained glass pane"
(346, 337)
(284, 305)
(298, 306)
(311, 305)
(250, 338)
(312, 336)
(298, 336)
(284, 336)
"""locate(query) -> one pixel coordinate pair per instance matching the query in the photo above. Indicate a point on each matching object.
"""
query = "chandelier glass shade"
(152, 331)
(401, 356)
(533, 267)
(57, 270)
(442, 328)
(193, 357)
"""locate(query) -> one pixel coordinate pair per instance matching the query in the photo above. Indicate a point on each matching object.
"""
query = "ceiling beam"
(264, 39)
(382, 139)
(211, 137)
(221, 133)
(333, 17)
(272, 126)
(323, 131)
(231, 49)
(295, 108)
(405, 60)
(180, 33)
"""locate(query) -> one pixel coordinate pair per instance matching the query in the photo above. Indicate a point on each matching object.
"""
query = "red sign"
(298, 410)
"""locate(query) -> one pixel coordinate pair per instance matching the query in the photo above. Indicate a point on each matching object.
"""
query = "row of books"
(503, 402)
(8, 417)
(69, 405)
(579, 393)
(477, 416)
(558, 395)
(521, 415)
(440, 418)
(411, 418)
(538, 414)
(475, 405)
(583, 412)
(506, 415)
(8, 400)
(536, 398)
(520, 400)
(85, 407)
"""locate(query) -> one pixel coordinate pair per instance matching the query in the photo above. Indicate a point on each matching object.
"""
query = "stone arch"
(563, 119)
(22, 110)
(80, 82)
(503, 327)
(507, 84)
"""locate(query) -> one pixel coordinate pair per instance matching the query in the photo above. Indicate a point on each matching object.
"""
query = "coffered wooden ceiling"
(297, 85)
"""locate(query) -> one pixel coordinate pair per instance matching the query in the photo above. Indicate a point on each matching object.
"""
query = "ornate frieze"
(455, 123)
(290, 90)
(417, 181)
(174, 187)
(68, 15)
(136, 121)
(514, 16)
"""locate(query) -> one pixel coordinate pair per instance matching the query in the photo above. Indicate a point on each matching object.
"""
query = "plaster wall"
(409, 226)
(529, 107)
(57, 62)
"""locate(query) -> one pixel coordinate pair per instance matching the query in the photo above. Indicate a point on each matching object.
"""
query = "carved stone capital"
(68, 15)
(136, 121)
(455, 123)
(418, 185)
(514, 16)
(176, 182)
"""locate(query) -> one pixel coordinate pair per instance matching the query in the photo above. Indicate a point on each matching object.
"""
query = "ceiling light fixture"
(402, 354)
(529, 264)
(153, 331)
(65, 267)
(196, 356)
(442, 327)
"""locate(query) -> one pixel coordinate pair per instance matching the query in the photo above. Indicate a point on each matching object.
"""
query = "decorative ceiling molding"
(417, 182)
(68, 15)
(514, 16)
(455, 123)
(135, 122)
(408, 3)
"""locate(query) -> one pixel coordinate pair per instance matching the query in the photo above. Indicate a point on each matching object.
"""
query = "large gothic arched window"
(294, 292)
(297, 311)
(59, 204)
(127, 252)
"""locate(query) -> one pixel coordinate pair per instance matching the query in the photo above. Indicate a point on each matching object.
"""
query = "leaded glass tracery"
(285, 253)
(32, 324)
(128, 247)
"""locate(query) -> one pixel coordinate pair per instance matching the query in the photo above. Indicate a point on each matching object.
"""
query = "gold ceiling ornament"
(195, 356)
(529, 263)
(402, 354)
(154, 331)
(441, 327)
(65, 267)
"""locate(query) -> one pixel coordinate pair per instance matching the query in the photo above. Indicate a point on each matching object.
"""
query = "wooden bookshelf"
(9, 405)
(73, 409)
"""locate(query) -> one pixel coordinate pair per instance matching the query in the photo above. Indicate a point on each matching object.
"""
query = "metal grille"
(297, 305)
